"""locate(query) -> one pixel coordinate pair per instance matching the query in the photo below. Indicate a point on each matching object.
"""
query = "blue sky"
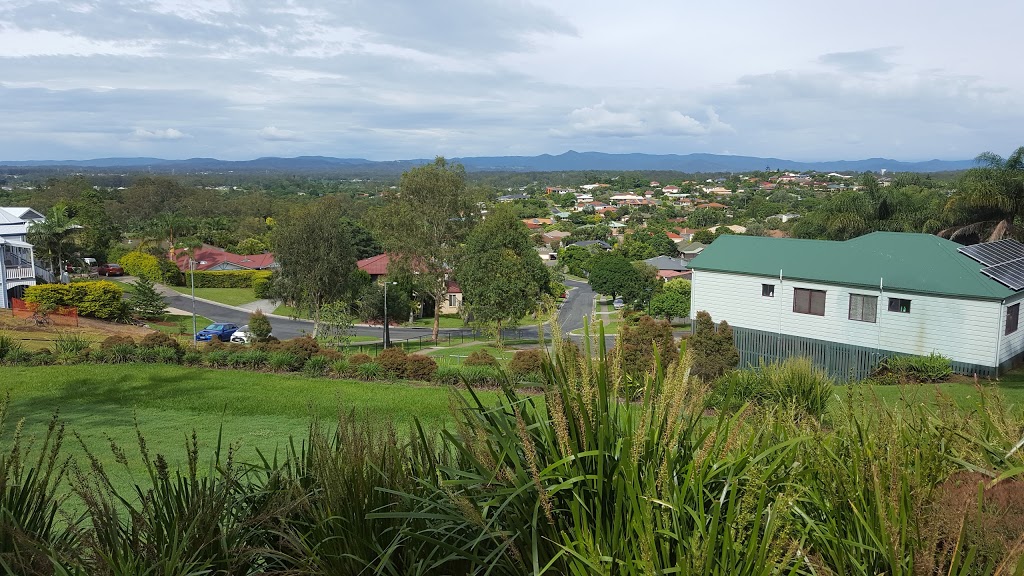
(389, 79)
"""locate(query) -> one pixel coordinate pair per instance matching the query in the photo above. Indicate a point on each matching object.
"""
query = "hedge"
(141, 264)
(100, 299)
(227, 278)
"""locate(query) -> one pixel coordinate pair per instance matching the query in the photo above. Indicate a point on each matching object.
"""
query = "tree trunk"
(437, 317)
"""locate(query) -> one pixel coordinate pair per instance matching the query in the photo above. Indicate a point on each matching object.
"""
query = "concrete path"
(267, 306)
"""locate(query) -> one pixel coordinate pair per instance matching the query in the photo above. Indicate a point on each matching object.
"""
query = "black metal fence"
(446, 338)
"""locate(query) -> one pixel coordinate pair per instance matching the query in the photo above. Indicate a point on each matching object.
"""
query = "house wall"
(963, 330)
(446, 308)
(1011, 346)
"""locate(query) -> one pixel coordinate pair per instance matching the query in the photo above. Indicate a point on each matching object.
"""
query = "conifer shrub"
(480, 358)
(637, 341)
(712, 350)
(420, 367)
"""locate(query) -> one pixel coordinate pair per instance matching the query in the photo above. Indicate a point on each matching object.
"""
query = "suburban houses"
(849, 304)
(212, 258)
(377, 267)
(20, 269)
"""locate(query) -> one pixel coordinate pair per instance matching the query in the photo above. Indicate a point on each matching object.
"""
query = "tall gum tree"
(424, 222)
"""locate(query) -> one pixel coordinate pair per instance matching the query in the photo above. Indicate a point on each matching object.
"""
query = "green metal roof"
(901, 261)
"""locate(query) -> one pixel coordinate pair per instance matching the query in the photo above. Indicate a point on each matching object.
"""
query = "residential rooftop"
(897, 261)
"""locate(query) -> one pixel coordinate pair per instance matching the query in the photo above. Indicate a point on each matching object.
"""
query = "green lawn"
(256, 410)
(229, 296)
(285, 310)
(446, 321)
(459, 353)
(178, 324)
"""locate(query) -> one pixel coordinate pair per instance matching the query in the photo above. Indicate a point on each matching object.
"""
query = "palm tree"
(990, 201)
(52, 236)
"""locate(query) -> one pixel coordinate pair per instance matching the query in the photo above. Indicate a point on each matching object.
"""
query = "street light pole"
(387, 336)
(192, 274)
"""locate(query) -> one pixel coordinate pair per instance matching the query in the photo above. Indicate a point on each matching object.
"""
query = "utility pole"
(387, 335)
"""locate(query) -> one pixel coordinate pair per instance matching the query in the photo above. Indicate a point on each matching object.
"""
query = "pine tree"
(146, 302)
(259, 326)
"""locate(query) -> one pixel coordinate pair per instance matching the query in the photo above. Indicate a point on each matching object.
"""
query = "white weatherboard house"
(19, 269)
(849, 304)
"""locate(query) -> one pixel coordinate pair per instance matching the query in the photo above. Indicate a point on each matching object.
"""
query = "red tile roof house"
(211, 258)
(377, 266)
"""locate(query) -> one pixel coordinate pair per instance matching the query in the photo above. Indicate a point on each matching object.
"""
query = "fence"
(444, 339)
(61, 316)
(844, 362)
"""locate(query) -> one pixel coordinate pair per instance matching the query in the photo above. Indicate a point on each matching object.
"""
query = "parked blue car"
(221, 332)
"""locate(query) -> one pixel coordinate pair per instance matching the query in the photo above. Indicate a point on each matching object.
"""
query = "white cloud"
(166, 134)
(273, 133)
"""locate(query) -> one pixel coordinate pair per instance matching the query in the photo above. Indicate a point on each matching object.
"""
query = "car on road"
(110, 270)
(618, 304)
(242, 335)
(219, 331)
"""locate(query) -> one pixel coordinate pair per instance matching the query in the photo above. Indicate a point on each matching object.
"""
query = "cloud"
(167, 134)
(276, 134)
(875, 60)
(644, 119)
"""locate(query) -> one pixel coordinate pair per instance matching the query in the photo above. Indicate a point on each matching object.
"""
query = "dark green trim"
(844, 362)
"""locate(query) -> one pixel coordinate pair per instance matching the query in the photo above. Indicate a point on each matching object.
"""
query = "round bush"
(111, 341)
(480, 358)
(392, 362)
(420, 367)
(157, 340)
(303, 347)
(526, 362)
(359, 359)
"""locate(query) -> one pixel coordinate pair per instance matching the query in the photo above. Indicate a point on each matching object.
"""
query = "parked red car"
(110, 270)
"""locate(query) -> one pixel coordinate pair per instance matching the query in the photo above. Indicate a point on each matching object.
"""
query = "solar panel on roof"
(993, 253)
(1009, 274)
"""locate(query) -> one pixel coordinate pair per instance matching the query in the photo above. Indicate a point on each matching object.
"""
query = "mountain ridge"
(567, 161)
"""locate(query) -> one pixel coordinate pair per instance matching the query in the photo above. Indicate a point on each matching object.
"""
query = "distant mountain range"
(569, 161)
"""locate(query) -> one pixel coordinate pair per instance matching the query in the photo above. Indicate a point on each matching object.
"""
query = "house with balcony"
(19, 269)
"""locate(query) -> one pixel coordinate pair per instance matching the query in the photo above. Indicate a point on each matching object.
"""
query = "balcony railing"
(19, 272)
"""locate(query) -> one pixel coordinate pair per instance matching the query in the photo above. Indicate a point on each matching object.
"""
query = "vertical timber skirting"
(844, 362)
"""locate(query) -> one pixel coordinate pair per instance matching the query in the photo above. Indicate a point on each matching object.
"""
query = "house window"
(453, 301)
(809, 301)
(863, 308)
(899, 305)
(1012, 315)
(768, 290)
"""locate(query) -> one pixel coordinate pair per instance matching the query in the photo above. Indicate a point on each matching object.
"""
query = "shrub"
(316, 366)
(122, 353)
(159, 339)
(145, 301)
(480, 358)
(526, 362)
(259, 326)
(261, 287)
(447, 374)
(480, 375)
(42, 358)
(170, 274)
(341, 367)
(302, 347)
(167, 354)
(369, 371)
(67, 343)
(17, 355)
(111, 341)
(794, 382)
(636, 344)
(359, 359)
(284, 361)
(99, 299)
(6, 344)
(142, 265)
(712, 352)
(931, 368)
(226, 278)
(420, 367)
(145, 355)
(392, 362)
(192, 358)
(218, 358)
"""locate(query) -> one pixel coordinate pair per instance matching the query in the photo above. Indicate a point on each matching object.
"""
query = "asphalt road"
(578, 304)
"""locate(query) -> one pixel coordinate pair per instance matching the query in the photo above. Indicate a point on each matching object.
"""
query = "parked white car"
(242, 335)
(618, 304)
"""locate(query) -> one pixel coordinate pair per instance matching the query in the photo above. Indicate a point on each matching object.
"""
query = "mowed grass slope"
(257, 411)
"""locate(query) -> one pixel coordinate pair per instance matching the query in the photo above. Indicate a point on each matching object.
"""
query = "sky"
(396, 79)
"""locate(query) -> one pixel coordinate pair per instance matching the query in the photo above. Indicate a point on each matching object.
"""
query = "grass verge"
(229, 296)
